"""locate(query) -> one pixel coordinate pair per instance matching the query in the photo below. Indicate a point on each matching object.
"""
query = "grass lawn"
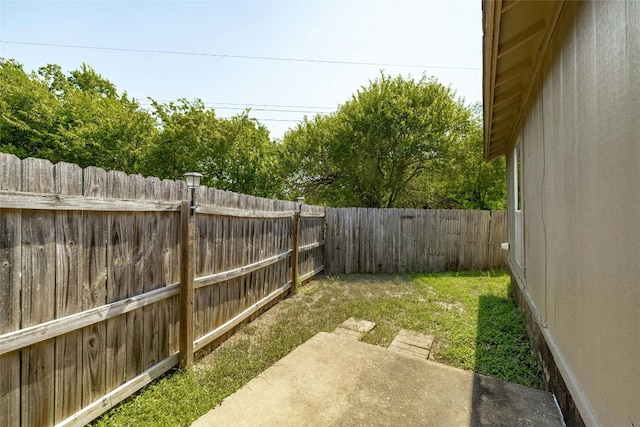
(472, 315)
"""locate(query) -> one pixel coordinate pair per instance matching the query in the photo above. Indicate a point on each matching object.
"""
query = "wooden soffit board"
(516, 34)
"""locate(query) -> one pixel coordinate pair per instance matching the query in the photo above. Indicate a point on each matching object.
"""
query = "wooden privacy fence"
(107, 280)
(360, 240)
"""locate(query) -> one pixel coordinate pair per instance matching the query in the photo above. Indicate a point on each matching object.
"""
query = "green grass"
(472, 315)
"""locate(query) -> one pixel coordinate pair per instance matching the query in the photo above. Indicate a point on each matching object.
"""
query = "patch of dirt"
(369, 279)
(458, 307)
(398, 294)
(260, 325)
(308, 295)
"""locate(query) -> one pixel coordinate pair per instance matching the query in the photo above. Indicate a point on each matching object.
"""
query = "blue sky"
(426, 33)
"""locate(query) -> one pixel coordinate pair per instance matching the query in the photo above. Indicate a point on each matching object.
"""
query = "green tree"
(468, 181)
(396, 143)
(78, 118)
(460, 178)
(311, 162)
(87, 80)
(250, 158)
(96, 125)
(233, 154)
(28, 112)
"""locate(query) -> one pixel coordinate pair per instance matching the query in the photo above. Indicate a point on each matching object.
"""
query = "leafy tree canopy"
(28, 112)
(396, 143)
(78, 118)
(233, 154)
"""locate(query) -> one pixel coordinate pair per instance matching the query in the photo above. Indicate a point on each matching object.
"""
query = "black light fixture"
(193, 181)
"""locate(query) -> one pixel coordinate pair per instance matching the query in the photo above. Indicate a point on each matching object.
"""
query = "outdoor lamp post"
(193, 182)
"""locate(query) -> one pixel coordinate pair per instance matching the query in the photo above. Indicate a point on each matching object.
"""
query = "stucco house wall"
(578, 176)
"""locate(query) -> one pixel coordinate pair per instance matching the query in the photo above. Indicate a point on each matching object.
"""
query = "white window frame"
(518, 237)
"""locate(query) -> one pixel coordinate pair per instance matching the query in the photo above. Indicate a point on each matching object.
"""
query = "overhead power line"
(275, 120)
(219, 55)
(257, 109)
(271, 105)
(274, 110)
(254, 105)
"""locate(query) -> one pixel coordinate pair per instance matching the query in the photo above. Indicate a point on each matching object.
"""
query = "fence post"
(294, 255)
(187, 223)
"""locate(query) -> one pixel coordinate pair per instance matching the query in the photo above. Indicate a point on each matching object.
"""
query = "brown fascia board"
(491, 16)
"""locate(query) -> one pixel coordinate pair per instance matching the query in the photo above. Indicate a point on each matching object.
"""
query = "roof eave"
(491, 32)
(511, 66)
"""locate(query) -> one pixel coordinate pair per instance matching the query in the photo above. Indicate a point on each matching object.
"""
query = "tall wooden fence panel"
(243, 259)
(90, 271)
(311, 242)
(361, 240)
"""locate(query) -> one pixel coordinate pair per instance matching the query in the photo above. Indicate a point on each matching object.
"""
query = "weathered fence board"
(497, 235)
(38, 286)
(135, 324)
(38, 201)
(361, 240)
(10, 286)
(152, 274)
(94, 287)
(120, 275)
(311, 241)
(69, 271)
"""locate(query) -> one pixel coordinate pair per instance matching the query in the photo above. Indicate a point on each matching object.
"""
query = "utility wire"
(255, 109)
(271, 105)
(262, 119)
(249, 105)
(218, 55)
(270, 109)
(275, 120)
(265, 119)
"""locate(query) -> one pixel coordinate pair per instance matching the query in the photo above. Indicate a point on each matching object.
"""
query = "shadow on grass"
(503, 351)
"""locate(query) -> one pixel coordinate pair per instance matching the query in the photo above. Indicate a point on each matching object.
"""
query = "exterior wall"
(552, 375)
(581, 207)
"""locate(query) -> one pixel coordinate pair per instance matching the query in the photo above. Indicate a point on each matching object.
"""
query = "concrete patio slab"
(336, 381)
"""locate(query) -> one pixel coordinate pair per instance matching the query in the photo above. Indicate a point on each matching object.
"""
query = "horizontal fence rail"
(361, 240)
(239, 318)
(92, 280)
(35, 201)
(242, 213)
(241, 271)
(53, 328)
